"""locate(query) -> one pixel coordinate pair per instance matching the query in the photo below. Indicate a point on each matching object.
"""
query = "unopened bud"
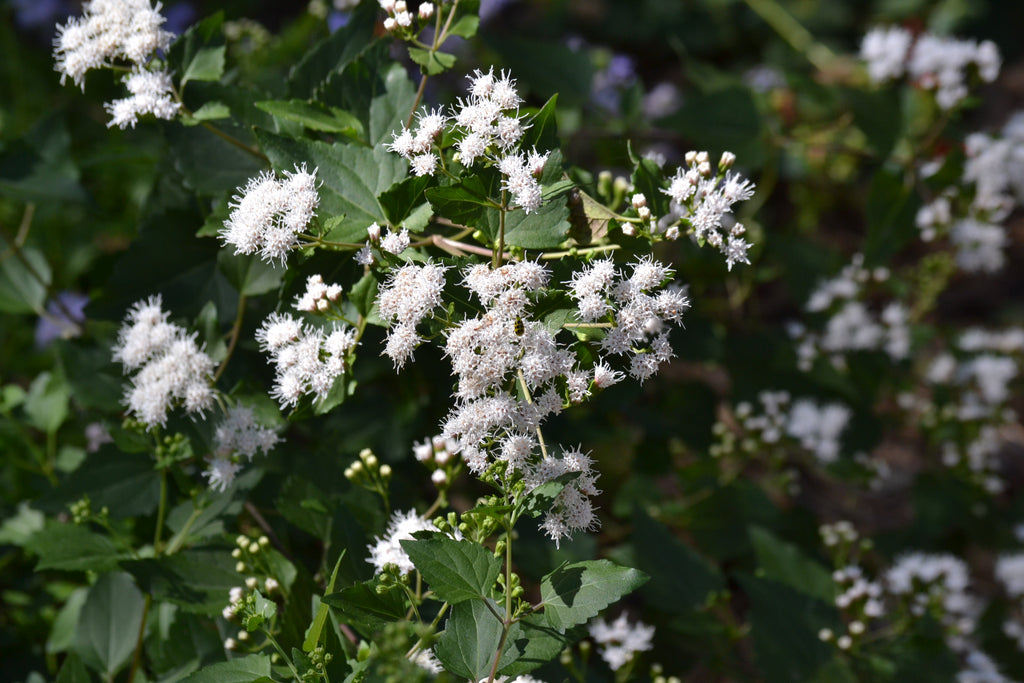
(385, 471)
(628, 230)
(390, 24)
(727, 160)
(426, 10)
(638, 200)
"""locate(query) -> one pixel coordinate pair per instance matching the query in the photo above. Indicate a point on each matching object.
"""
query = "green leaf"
(352, 178)
(47, 402)
(21, 291)
(471, 637)
(388, 112)
(543, 130)
(364, 294)
(363, 607)
(249, 669)
(197, 580)
(322, 610)
(207, 65)
(455, 570)
(681, 579)
(73, 671)
(179, 642)
(314, 116)
(891, 208)
(335, 53)
(575, 592)
(211, 111)
(263, 611)
(125, 483)
(39, 166)
(210, 164)
(306, 506)
(401, 198)
(19, 528)
(784, 625)
(71, 547)
(109, 623)
(62, 633)
(786, 563)
(432, 62)
(539, 644)
(249, 274)
(466, 26)
(461, 203)
(542, 229)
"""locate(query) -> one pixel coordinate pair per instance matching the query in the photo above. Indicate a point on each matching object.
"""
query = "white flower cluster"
(703, 198)
(932, 62)
(851, 325)
(619, 641)
(307, 359)
(438, 453)
(638, 312)
(1009, 571)
(929, 581)
(268, 214)
(410, 294)
(979, 668)
(387, 549)
(968, 402)
(238, 434)
(399, 16)
(151, 93)
(572, 510)
(489, 130)
(318, 296)
(817, 428)
(172, 369)
(971, 210)
(109, 30)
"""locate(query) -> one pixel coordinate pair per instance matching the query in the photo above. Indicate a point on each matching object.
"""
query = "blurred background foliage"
(109, 217)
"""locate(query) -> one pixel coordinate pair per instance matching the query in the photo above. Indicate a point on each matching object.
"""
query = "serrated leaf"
(109, 623)
(543, 128)
(125, 483)
(364, 294)
(352, 177)
(455, 570)
(786, 563)
(71, 547)
(314, 116)
(462, 203)
(197, 580)
(388, 112)
(20, 290)
(539, 644)
(207, 65)
(471, 638)
(542, 229)
(575, 592)
(363, 607)
(401, 198)
(248, 669)
(432, 62)
(335, 53)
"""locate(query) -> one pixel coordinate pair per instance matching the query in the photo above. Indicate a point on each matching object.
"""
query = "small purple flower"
(336, 20)
(179, 17)
(65, 317)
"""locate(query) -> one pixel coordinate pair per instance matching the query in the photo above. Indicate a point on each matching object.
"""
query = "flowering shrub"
(457, 340)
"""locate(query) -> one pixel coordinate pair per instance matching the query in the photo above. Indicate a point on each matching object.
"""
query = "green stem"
(499, 247)
(576, 252)
(137, 656)
(179, 538)
(160, 512)
(280, 651)
(236, 328)
(793, 32)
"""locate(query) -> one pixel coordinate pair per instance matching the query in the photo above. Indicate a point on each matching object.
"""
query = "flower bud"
(426, 10)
